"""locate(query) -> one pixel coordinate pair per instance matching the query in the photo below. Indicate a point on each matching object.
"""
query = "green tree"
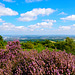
(60, 45)
(2, 42)
(27, 45)
(1, 38)
(69, 41)
(70, 45)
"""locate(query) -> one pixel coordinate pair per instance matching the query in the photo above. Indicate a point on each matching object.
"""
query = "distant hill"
(36, 37)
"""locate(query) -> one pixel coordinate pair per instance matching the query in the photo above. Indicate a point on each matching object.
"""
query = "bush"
(68, 45)
(14, 61)
(2, 43)
(27, 45)
(1, 38)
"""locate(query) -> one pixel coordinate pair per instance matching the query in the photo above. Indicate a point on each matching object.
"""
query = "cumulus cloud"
(65, 27)
(6, 11)
(49, 20)
(73, 24)
(9, 0)
(68, 30)
(45, 24)
(1, 4)
(1, 20)
(32, 15)
(71, 17)
(11, 27)
(42, 29)
(29, 1)
(62, 13)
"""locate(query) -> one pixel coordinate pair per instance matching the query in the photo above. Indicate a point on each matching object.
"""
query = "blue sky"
(37, 17)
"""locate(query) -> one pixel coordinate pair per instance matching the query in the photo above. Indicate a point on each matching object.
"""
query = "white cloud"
(1, 20)
(62, 13)
(29, 1)
(1, 4)
(32, 15)
(6, 11)
(11, 27)
(49, 20)
(68, 30)
(42, 29)
(8, 27)
(27, 18)
(45, 24)
(67, 27)
(64, 27)
(71, 17)
(73, 25)
(9, 0)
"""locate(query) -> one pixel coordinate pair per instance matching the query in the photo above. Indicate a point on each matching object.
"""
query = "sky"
(37, 17)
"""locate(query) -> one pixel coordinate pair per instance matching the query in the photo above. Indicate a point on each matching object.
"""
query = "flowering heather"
(15, 61)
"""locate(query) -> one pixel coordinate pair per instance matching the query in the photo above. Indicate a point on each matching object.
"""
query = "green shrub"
(27, 45)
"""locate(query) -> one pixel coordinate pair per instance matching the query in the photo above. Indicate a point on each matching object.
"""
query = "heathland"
(43, 57)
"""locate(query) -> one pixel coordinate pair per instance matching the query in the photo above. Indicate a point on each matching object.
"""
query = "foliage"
(1, 39)
(27, 45)
(14, 61)
(2, 43)
(68, 45)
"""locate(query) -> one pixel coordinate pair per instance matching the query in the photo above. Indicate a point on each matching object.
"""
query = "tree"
(2, 43)
(69, 41)
(70, 45)
(1, 39)
(27, 45)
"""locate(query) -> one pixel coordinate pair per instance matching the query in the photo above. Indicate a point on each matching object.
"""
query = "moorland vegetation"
(37, 58)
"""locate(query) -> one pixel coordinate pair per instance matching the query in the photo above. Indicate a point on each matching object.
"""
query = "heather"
(15, 61)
